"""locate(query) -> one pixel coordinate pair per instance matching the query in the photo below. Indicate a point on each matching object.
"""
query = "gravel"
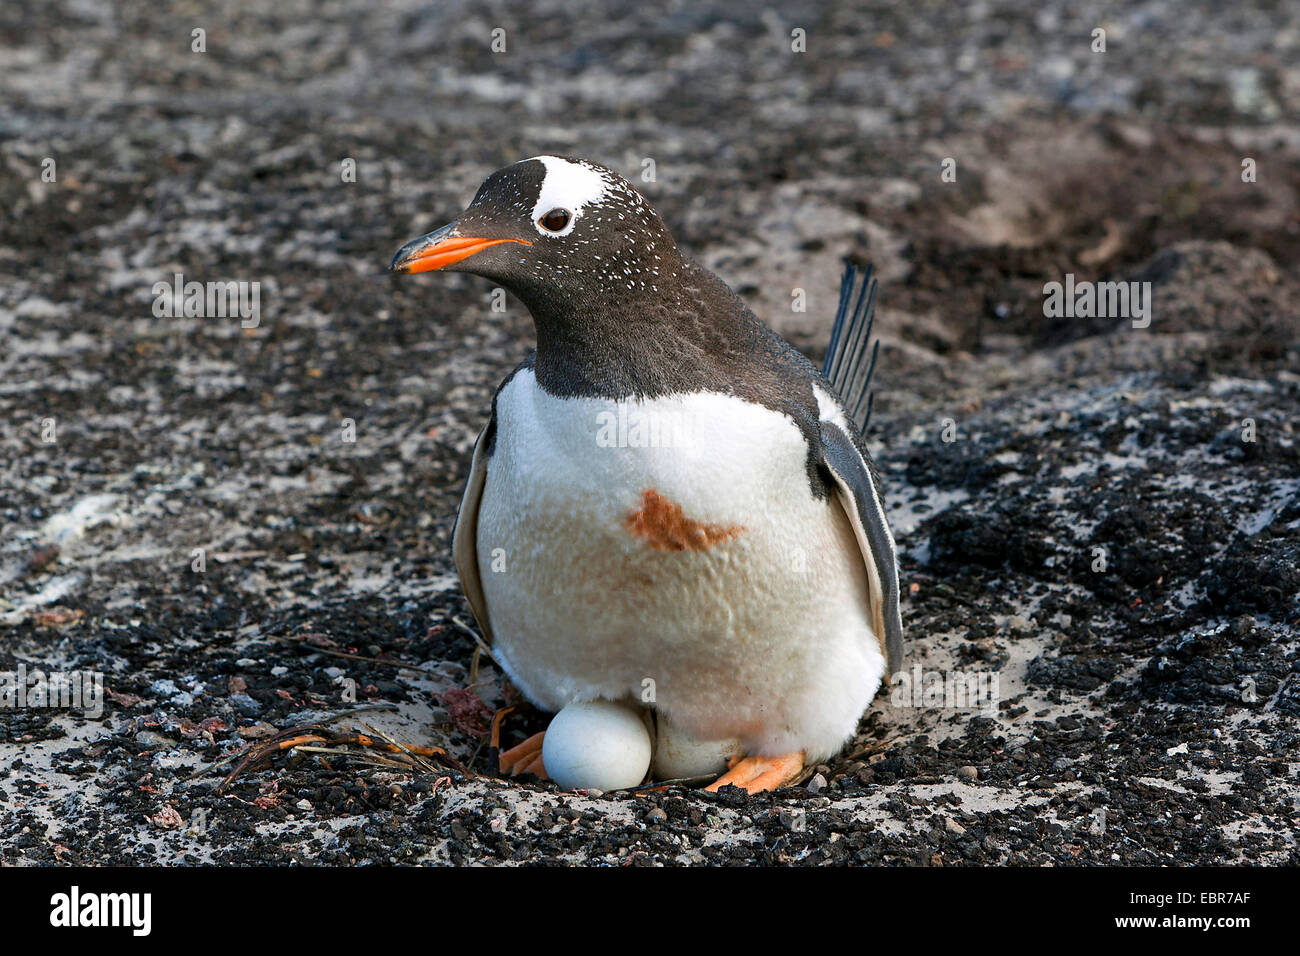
(1101, 535)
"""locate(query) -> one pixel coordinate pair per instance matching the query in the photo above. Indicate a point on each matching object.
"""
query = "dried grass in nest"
(374, 748)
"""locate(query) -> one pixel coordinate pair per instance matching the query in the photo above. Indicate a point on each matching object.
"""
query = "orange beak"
(440, 249)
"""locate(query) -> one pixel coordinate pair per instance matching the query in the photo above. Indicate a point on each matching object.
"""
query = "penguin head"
(554, 231)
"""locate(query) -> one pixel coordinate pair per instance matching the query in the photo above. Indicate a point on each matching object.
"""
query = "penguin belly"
(671, 552)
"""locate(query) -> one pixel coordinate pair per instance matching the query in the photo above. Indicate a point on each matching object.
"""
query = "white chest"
(672, 546)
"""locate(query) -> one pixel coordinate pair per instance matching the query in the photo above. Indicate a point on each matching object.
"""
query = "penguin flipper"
(464, 537)
(861, 502)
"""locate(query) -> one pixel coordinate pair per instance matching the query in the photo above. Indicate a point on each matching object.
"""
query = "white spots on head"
(612, 241)
(568, 185)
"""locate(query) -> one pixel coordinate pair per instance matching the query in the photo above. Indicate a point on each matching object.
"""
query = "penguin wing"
(464, 537)
(861, 502)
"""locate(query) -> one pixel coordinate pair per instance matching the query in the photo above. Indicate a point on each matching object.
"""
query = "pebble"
(258, 731)
(147, 738)
(657, 815)
(793, 819)
(245, 705)
(38, 308)
(968, 773)
(816, 784)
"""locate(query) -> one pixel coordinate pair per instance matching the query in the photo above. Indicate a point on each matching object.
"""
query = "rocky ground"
(1100, 534)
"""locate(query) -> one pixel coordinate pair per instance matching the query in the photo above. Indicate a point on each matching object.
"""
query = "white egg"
(680, 756)
(598, 744)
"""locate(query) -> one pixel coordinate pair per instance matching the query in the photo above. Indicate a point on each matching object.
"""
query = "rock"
(245, 705)
(257, 731)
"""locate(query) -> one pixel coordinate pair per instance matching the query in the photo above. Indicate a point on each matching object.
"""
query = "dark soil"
(1100, 534)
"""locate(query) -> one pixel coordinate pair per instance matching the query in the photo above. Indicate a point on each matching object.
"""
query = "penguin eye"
(555, 220)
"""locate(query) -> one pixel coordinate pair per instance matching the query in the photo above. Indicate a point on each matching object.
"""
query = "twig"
(221, 762)
(478, 639)
(349, 657)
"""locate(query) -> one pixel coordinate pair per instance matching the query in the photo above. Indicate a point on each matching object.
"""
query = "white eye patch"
(568, 186)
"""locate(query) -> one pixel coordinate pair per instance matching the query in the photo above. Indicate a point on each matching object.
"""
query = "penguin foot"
(524, 758)
(756, 774)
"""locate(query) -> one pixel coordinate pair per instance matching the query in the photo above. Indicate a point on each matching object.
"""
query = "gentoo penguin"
(667, 495)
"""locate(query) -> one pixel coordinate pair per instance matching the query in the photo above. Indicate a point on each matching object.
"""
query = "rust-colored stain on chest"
(662, 524)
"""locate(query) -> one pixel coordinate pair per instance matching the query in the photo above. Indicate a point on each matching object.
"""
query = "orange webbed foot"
(524, 758)
(756, 774)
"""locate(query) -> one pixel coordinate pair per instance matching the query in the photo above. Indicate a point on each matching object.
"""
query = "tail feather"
(846, 365)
